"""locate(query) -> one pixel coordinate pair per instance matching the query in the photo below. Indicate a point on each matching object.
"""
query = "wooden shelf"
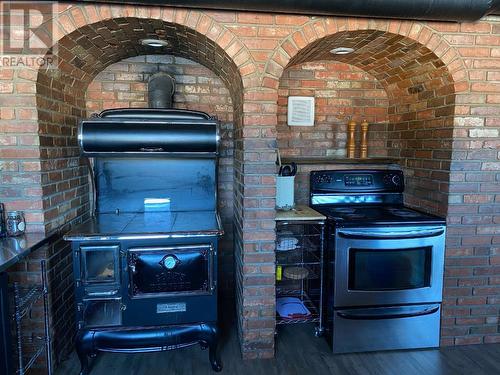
(329, 160)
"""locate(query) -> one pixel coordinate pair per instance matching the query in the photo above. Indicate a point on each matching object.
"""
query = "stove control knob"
(396, 180)
(321, 179)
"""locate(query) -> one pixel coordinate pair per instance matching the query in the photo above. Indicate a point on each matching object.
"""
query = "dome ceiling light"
(155, 43)
(342, 50)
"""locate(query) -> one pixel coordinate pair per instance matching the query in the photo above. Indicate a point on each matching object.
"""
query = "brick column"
(255, 191)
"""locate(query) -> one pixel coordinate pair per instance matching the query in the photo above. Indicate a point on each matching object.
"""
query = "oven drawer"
(105, 312)
(157, 271)
(386, 328)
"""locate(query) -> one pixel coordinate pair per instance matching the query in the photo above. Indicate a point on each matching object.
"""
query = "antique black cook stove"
(145, 265)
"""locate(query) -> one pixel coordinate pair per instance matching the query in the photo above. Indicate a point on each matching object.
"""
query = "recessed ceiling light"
(342, 50)
(156, 43)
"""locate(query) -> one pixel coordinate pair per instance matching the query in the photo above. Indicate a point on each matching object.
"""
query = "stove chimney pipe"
(161, 88)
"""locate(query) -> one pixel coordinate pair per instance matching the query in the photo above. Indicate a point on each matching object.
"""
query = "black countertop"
(13, 249)
(112, 226)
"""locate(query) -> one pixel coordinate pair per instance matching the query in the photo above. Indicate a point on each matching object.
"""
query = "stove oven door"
(158, 271)
(170, 284)
(388, 265)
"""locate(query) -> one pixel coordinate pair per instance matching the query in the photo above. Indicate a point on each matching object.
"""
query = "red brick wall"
(441, 80)
(342, 92)
(124, 85)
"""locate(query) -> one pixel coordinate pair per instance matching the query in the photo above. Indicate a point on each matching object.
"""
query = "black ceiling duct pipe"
(437, 10)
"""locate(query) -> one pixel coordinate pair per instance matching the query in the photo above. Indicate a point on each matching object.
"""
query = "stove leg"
(214, 356)
(82, 356)
(84, 363)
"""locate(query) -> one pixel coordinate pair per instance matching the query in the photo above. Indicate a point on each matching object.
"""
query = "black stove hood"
(438, 10)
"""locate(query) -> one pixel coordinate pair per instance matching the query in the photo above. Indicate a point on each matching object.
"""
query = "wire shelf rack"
(301, 245)
(31, 346)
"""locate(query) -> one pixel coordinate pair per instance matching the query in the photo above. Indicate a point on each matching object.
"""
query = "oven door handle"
(387, 313)
(367, 234)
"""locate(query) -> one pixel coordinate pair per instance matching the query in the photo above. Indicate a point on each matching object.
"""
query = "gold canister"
(364, 139)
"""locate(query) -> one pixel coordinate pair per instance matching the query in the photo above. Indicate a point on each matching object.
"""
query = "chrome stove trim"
(153, 236)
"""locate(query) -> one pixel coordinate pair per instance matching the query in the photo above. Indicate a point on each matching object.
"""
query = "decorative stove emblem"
(169, 262)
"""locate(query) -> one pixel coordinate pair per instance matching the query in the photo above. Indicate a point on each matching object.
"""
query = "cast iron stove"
(145, 264)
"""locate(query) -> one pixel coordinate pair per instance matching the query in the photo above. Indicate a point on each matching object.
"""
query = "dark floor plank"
(299, 352)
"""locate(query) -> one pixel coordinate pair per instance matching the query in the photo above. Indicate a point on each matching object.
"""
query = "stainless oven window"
(394, 269)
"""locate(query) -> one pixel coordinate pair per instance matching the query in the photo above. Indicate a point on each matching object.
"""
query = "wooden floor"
(299, 352)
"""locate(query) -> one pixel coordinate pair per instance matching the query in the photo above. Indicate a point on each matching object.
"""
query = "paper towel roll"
(284, 192)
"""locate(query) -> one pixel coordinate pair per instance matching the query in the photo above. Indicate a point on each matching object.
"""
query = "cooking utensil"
(288, 170)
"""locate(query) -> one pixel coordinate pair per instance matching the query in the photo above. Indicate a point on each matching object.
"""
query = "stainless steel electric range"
(385, 262)
(145, 264)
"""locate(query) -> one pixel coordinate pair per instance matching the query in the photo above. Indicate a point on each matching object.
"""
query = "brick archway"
(90, 38)
(317, 29)
(422, 76)
(420, 86)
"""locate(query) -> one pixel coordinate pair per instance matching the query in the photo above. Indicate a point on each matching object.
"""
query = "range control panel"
(358, 180)
(344, 181)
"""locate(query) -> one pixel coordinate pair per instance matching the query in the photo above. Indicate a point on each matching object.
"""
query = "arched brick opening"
(342, 92)
(421, 104)
(60, 100)
(124, 85)
(60, 103)
(421, 76)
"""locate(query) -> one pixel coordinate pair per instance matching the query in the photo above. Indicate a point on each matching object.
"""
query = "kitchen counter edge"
(14, 249)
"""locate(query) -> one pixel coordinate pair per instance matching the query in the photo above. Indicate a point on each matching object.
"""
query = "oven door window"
(380, 270)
